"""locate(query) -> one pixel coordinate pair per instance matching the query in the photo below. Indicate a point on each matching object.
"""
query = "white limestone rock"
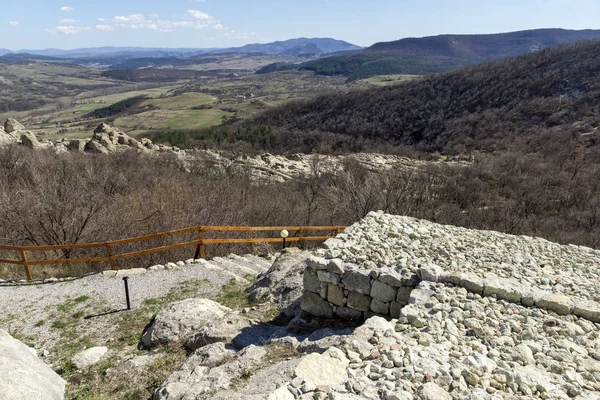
(322, 370)
(178, 321)
(23, 376)
(86, 358)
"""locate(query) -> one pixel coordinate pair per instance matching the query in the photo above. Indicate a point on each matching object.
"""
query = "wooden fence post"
(113, 263)
(27, 269)
(200, 247)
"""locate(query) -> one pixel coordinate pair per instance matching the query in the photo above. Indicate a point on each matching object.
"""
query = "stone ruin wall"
(334, 287)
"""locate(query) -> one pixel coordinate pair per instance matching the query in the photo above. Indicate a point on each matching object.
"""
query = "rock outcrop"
(23, 376)
(282, 283)
(106, 139)
(178, 321)
(28, 139)
(11, 126)
(6, 139)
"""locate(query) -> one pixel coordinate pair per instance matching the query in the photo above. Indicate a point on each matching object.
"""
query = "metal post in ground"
(125, 280)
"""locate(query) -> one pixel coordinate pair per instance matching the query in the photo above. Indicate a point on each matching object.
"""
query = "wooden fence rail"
(112, 257)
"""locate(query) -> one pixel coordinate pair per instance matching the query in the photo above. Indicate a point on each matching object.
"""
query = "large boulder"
(178, 321)
(12, 125)
(6, 139)
(219, 329)
(282, 283)
(29, 140)
(23, 376)
(94, 146)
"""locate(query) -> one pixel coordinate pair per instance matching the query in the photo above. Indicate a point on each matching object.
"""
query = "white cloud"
(199, 15)
(69, 29)
(66, 8)
(192, 19)
(106, 28)
(68, 21)
(14, 23)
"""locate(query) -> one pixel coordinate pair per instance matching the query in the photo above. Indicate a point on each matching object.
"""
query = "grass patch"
(81, 299)
(233, 295)
(59, 324)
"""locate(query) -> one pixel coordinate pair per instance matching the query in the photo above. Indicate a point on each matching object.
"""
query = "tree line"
(48, 198)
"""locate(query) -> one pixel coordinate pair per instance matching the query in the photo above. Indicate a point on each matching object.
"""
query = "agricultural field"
(68, 94)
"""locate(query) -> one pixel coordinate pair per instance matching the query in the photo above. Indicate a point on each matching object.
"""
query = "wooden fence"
(112, 257)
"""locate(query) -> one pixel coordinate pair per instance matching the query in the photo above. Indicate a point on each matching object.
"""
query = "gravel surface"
(24, 307)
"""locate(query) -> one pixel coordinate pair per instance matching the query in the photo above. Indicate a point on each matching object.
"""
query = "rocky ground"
(486, 316)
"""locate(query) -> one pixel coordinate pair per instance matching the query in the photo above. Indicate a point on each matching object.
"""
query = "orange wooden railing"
(112, 257)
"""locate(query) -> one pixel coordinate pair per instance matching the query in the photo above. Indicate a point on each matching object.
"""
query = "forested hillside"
(520, 102)
(441, 53)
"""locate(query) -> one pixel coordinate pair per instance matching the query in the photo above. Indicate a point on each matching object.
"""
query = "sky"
(69, 24)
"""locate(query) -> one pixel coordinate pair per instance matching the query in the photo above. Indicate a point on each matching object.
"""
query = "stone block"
(472, 283)
(357, 280)
(422, 296)
(336, 266)
(504, 289)
(451, 278)
(560, 304)
(410, 280)
(329, 277)
(313, 304)
(349, 314)
(317, 263)
(395, 308)
(587, 309)
(323, 286)
(382, 292)
(403, 294)
(531, 296)
(390, 276)
(379, 307)
(359, 301)
(335, 295)
(311, 281)
(430, 273)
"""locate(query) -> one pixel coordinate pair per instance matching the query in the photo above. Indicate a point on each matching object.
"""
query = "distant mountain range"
(321, 45)
(299, 46)
(420, 56)
(483, 47)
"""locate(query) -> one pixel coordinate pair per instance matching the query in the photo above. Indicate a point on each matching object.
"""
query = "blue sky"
(68, 24)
